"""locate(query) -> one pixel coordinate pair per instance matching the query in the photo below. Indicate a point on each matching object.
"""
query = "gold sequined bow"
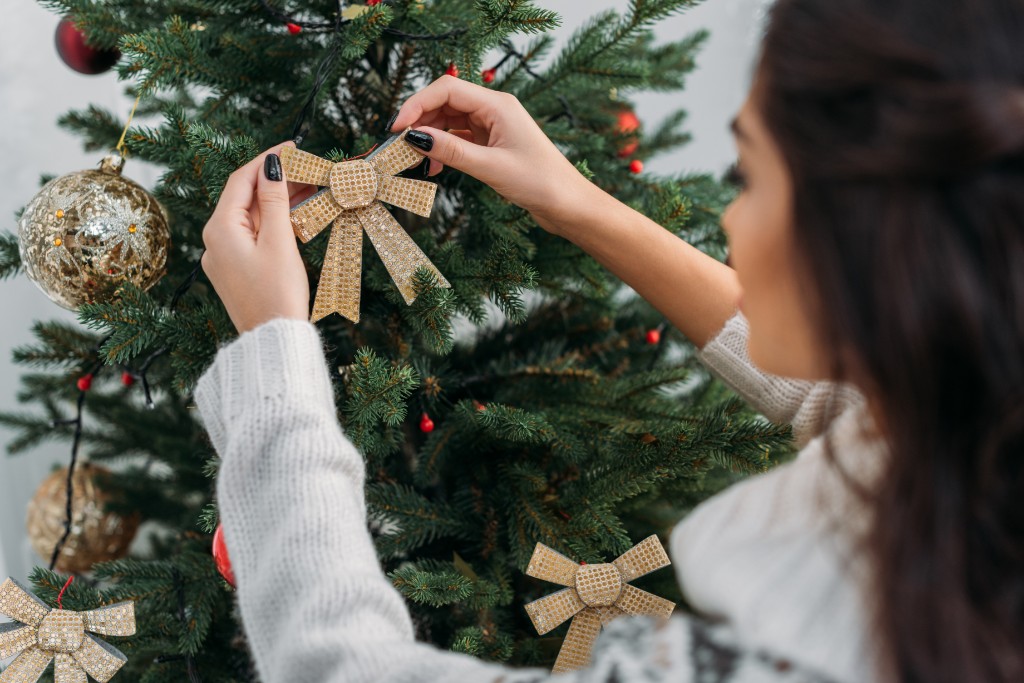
(351, 198)
(60, 634)
(597, 594)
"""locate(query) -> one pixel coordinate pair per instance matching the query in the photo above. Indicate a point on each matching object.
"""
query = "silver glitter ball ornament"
(86, 233)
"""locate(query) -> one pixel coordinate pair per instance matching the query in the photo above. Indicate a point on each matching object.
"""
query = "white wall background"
(36, 88)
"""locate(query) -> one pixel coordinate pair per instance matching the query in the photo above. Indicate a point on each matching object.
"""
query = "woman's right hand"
(493, 138)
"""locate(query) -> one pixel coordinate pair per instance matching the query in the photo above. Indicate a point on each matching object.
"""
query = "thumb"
(477, 160)
(272, 199)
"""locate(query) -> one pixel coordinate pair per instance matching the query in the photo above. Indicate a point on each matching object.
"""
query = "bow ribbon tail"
(341, 276)
(551, 565)
(314, 214)
(550, 611)
(303, 167)
(412, 195)
(111, 620)
(401, 256)
(638, 602)
(100, 660)
(20, 605)
(66, 669)
(14, 638)
(643, 558)
(579, 642)
(28, 666)
(394, 156)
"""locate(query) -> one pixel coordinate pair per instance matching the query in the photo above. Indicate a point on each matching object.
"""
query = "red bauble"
(479, 406)
(371, 3)
(293, 28)
(84, 382)
(220, 556)
(75, 53)
(426, 424)
(636, 166)
(653, 336)
(489, 75)
(628, 122)
(127, 379)
(452, 70)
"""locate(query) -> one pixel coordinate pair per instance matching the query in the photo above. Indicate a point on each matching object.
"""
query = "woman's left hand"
(251, 255)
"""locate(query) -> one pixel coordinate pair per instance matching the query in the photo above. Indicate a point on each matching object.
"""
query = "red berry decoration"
(452, 70)
(127, 379)
(371, 3)
(636, 166)
(628, 122)
(653, 336)
(220, 556)
(479, 406)
(426, 424)
(489, 75)
(84, 382)
(293, 28)
(76, 54)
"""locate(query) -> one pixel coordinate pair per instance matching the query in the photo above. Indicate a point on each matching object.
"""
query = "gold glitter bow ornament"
(60, 634)
(597, 594)
(351, 199)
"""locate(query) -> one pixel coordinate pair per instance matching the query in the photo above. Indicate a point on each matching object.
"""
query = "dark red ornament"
(636, 166)
(628, 122)
(489, 75)
(479, 406)
(653, 336)
(371, 3)
(426, 424)
(127, 379)
(452, 70)
(85, 381)
(293, 28)
(76, 54)
(220, 556)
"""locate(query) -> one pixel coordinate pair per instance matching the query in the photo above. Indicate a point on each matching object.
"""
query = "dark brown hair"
(902, 123)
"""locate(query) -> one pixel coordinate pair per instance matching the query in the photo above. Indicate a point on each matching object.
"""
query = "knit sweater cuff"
(240, 373)
(807, 405)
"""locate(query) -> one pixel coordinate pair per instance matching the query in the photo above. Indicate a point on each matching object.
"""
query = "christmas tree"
(534, 400)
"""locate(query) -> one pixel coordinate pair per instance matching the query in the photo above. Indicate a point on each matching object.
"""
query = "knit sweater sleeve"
(802, 403)
(312, 597)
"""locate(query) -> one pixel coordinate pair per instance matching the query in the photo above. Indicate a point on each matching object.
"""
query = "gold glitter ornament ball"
(96, 535)
(86, 233)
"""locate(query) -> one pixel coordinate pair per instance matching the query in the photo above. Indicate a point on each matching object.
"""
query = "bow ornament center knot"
(598, 585)
(352, 201)
(354, 184)
(61, 631)
(596, 594)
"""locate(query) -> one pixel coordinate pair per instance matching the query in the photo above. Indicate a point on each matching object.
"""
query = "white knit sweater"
(757, 560)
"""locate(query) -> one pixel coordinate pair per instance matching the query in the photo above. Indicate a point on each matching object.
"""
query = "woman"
(878, 244)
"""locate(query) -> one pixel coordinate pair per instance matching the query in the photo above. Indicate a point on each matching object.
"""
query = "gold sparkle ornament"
(86, 233)
(96, 534)
(351, 199)
(596, 594)
(40, 635)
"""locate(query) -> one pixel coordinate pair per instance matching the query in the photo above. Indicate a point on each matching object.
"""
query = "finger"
(240, 189)
(461, 96)
(451, 150)
(273, 201)
(436, 166)
(300, 193)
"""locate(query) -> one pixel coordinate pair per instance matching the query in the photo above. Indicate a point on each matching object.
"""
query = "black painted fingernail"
(391, 122)
(272, 167)
(420, 140)
(425, 169)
